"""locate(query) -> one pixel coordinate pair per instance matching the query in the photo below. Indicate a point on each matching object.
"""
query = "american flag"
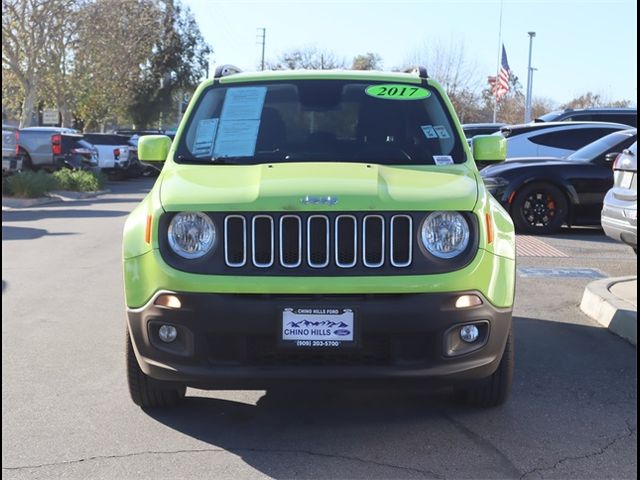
(501, 87)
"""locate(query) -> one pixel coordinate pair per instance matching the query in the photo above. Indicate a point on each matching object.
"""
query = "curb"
(52, 197)
(609, 310)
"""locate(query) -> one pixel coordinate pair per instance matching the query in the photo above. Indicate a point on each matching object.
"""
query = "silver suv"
(620, 210)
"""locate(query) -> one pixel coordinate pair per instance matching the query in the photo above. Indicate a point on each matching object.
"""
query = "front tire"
(540, 209)
(145, 391)
(494, 390)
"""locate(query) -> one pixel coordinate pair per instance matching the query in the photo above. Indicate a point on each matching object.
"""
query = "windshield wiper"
(228, 159)
(188, 159)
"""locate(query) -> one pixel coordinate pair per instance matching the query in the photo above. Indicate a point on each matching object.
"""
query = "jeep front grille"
(318, 241)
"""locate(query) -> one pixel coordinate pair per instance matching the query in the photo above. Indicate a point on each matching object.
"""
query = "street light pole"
(527, 102)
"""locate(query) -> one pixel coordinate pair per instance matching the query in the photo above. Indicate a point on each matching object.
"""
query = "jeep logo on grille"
(318, 200)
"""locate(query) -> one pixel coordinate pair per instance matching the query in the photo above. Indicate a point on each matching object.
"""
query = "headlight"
(445, 234)
(191, 234)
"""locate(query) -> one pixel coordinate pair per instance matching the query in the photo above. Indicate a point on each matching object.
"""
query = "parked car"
(11, 161)
(35, 147)
(113, 153)
(472, 129)
(554, 139)
(71, 150)
(543, 194)
(144, 169)
(318, 226)
(620, 210)
(627, 116)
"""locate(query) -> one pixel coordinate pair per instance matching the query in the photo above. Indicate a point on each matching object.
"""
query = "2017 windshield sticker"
(429, 131)
(441, 131)
(397, 92)
(443, 159)
(205, 135)
(243, 103)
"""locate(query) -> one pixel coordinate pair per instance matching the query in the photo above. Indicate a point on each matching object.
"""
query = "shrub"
(78, 180)
(29, 184)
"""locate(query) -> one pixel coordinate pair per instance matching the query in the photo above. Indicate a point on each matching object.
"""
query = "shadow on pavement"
(33, 215)
(590, 234)
(24, 233)
(562, 384)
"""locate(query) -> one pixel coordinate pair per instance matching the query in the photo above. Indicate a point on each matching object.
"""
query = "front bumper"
(231, 340)
(11, 164)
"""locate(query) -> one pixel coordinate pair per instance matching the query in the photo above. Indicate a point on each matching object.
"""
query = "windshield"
(321, 120)
(606, 144)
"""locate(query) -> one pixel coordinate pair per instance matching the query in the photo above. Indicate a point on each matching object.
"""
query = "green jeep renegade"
(319, 226)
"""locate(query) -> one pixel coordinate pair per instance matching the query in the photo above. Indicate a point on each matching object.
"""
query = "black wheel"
(147, 392)
(540, 208)
(27, 164)
(492, 391)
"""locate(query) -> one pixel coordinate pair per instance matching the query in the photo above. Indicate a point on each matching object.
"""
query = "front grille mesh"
(316, 241)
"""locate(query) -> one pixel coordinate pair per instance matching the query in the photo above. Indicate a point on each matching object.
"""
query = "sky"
(580, 45)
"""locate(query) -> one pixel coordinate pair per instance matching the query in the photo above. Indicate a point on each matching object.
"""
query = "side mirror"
(153, 148)
(489, 148)
(611, 157)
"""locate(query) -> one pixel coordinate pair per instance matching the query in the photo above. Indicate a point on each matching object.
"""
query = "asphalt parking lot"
(66, 410)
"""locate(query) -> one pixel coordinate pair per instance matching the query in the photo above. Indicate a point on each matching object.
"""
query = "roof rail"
(419, 70)
(225, 70)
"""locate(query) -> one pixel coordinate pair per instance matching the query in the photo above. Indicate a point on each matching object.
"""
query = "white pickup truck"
(113, 152)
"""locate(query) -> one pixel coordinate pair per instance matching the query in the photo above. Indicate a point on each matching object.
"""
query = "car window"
(570, 139)
(614, 142)
(579, 117)
(320, 120)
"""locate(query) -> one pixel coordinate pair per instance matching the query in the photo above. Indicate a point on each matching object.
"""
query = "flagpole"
(495, 97)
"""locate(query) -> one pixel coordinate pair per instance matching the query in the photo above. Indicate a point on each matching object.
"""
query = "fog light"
(469, 333)
(466, 301)
(167, 333)
(169, 301)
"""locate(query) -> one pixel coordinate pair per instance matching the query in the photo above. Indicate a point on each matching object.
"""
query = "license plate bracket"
(317, 327)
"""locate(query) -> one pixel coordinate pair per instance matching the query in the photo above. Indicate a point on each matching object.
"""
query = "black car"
(627, 116)
(542, 194)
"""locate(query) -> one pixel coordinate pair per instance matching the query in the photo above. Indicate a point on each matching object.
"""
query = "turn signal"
(168, 301)
(466, 301)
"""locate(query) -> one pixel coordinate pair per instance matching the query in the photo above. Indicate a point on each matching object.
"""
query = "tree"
(58, 81)
(368, 61)
(309, 58)
(591, 100)
(115, 40)
(179, 59)
(27, 29)
(448, 64)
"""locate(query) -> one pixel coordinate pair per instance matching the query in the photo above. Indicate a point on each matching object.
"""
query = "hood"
(517, 163)
(284, 186)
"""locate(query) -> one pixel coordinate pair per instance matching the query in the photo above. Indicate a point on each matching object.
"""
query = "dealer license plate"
(317, 327)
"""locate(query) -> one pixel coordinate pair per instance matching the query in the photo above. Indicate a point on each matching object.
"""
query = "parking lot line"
(529, 246)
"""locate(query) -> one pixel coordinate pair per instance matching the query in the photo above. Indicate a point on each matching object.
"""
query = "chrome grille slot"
(318, 241)
(235, 241)
(346, 241)
(373, 244)
(262, 241)
(290, 241)
(304, 243)
(401, 240)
